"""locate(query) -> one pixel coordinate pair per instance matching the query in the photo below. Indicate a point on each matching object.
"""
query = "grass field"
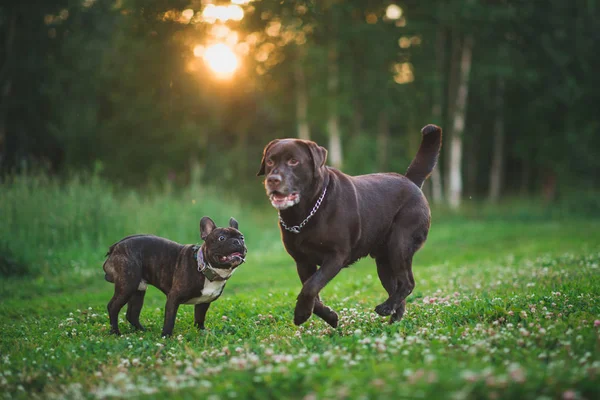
(507, 305)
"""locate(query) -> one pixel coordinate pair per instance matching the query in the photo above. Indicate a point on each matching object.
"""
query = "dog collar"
(206, 269)
(297, 228)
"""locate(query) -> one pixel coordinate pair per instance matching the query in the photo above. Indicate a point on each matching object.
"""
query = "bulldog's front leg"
(170, 315)
(311, 288)
(200, 314)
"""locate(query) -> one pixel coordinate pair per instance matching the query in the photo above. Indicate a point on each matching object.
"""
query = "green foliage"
(9, 264)
(46, 220)
(117, 82)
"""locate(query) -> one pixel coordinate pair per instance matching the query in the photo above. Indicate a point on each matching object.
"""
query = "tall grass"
(46, 221)
(50, 225)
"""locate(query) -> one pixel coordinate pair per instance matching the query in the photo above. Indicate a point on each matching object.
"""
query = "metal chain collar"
(297, 228)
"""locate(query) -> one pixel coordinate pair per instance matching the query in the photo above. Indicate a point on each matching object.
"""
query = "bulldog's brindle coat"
(137, 261)
(384, 215)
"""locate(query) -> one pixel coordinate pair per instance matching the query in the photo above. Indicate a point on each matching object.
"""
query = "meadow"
(506, 306)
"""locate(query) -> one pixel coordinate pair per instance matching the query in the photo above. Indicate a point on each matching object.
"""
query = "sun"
(221, 59)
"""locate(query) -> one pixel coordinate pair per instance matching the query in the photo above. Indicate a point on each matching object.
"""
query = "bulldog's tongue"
(231, 256)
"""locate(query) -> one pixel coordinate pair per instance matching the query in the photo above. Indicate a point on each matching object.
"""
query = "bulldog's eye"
(293, 162)
(221, 238)
(269, 163)
(242, 238)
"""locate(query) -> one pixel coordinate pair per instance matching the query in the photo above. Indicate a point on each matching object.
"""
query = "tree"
(497, 166)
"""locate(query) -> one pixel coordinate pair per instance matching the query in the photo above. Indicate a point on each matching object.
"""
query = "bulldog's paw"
(384, 309)
(115, 332)
(139, 327)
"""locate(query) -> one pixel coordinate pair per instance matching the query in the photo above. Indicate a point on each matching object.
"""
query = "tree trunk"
(497, 166)
(472, 161)
(301, 98)
(437, 195)
(436, 110)
(383, 139)
(451, 104)
(525, 177)
(458, 125)
(6, 81)
(333, 124)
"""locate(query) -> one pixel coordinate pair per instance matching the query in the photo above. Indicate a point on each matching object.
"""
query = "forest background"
(154, 91)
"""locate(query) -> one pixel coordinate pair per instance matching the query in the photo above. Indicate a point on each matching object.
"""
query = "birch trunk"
(453, 78)
(333, 124)
(301, 98)
(458, 125)
(437, 195)
(436, 111)
(498, 151)
(472, 161)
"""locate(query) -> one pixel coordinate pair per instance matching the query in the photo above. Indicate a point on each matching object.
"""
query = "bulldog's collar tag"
(206, 269)
(297, 228)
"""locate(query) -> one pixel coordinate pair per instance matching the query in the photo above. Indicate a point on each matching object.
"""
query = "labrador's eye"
(293, 162)
(270, 162)
(221, 238)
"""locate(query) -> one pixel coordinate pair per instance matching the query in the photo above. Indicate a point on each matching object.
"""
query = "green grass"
(505, 307)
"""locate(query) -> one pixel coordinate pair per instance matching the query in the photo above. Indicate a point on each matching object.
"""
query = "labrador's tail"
(424, 162)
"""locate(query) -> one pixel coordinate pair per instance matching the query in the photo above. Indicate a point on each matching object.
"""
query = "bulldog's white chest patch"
(211, 291)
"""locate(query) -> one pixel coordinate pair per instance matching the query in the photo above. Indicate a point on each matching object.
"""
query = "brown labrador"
(330, 219)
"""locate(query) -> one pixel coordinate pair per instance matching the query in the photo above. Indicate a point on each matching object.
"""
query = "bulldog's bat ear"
(318, 153)
(261, 171)
(233, 223)
(207, 225)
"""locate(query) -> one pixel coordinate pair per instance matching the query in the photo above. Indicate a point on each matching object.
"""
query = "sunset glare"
(212, 13)
(221, 59)
(393, 12)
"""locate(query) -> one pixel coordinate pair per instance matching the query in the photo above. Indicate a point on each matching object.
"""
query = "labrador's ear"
(233, 223)
(261, 171)
(207, 225)
(317, 153)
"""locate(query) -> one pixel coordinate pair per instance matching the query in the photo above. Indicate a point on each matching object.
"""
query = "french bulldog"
(187, 274)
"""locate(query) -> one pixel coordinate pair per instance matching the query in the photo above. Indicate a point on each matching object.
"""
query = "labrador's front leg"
(310, 290)
(305, 271)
